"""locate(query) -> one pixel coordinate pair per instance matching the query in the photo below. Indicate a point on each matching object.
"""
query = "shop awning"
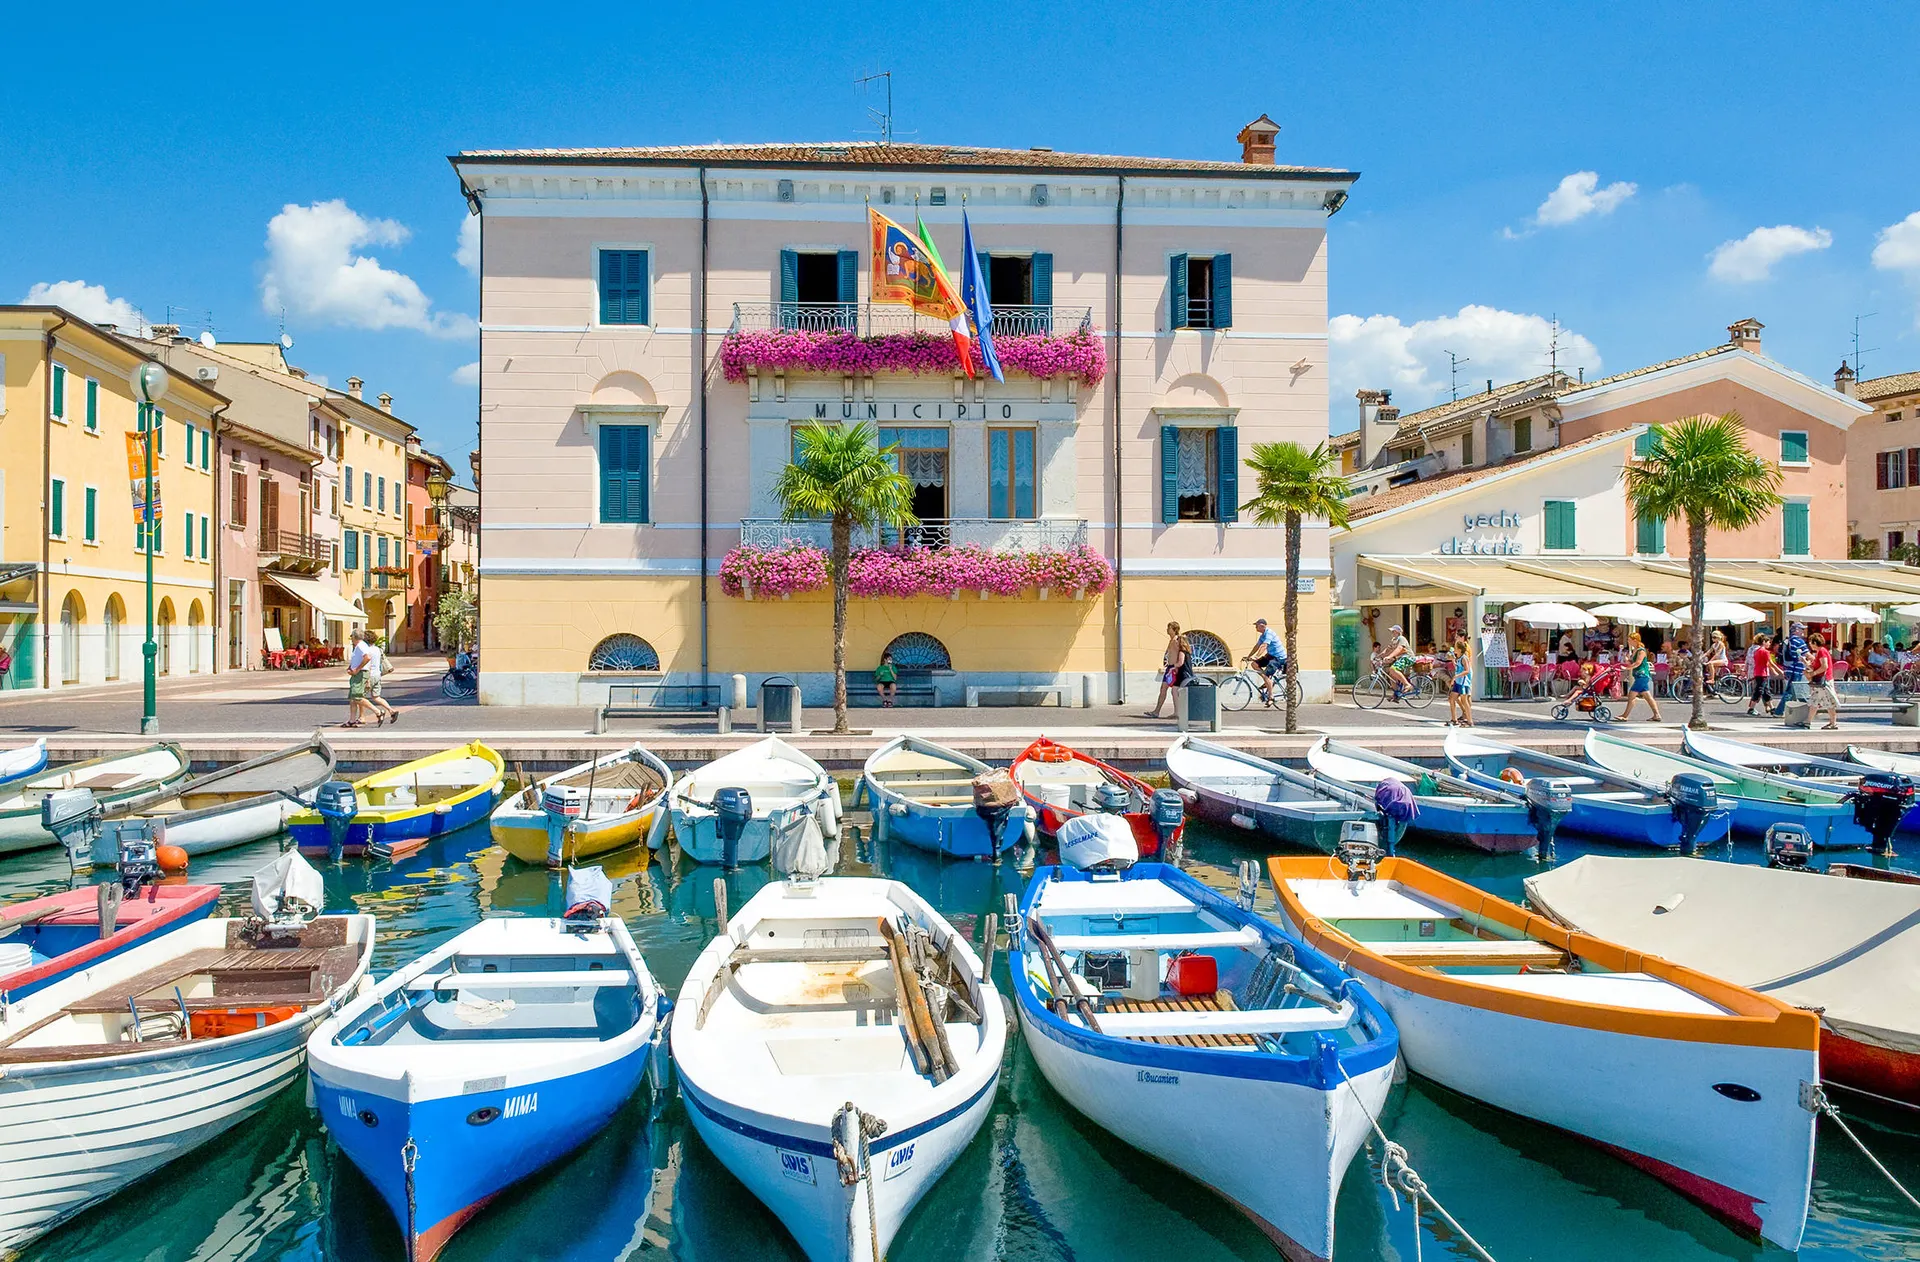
(328, 603)
(1654, 581)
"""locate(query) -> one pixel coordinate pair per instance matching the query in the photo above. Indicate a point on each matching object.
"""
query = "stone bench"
(1062, 693)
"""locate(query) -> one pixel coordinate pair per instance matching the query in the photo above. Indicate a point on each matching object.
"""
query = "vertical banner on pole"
(137, 477)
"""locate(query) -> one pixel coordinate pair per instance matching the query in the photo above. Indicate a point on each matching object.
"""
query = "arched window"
(72, 613)
(195, 618)
(163, 633)
(920, 651)
(1208, 649)
(623, 652)
(115, 615)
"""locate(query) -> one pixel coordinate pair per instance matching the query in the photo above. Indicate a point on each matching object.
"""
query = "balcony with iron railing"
(872, 320)
(1033, 534)
(289, 549)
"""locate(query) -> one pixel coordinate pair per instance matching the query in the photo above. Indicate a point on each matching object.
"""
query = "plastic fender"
(657, 830)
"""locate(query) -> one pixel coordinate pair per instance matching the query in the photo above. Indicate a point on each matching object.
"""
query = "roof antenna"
(1857, 352)
(1453, 372)
(885, 118)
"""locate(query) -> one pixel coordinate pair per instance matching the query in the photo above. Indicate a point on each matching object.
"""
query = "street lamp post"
(149, 387)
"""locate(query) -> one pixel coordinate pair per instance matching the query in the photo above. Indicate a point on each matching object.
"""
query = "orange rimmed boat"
(1704, 1084)
(1060, 783)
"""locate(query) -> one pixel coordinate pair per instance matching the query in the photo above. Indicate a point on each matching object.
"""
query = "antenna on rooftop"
(1453, 373)
(1857, 351)
(883, 117)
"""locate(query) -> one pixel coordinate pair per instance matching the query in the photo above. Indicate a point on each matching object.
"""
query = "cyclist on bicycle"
(1397, 656)
(1267, 656)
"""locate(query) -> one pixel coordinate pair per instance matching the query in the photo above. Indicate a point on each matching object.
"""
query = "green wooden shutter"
(1793, 540)
(1223, 291)
(205, 539)
(1643, 445)
(93, 404)
(610, 296)
(1177, 289)
(206, 449)
(624, 460)
(186, 548)
(635, 308)
(352, 538)
(1793, 446)
(789, 276)
(1043, 280)
(1169, 473)
(849, 276)
(93, 514)
(57, 509)
(59, 390)
(1559, 525)
(1227, 454)
(347, 485)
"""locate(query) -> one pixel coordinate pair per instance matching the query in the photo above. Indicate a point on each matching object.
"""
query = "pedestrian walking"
(1460, 695)
(1176, 667)
(375, 668)
(1640, 666)
(1825, 695)
(356, 684)
(1794, 655)
(1760, 674)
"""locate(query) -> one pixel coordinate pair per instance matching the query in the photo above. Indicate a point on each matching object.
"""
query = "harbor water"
(1039, 1183)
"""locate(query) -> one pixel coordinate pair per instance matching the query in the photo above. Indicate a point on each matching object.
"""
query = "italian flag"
(961, 324)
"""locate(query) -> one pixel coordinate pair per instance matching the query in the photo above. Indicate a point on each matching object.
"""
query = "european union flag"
(973, 292)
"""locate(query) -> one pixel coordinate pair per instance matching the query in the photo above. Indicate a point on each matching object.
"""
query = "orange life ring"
(1512, 776)
(1053, 753)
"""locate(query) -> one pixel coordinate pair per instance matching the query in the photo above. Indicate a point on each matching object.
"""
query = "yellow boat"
(599, 806)
(399, 810)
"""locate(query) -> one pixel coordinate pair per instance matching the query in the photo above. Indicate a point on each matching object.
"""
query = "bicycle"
(1238, 690)
(1378, 688)
(462, 679)
(1906, 684)
(1730, 688)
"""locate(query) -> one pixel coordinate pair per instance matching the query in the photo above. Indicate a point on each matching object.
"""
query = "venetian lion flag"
(137, 476)
(906, 270)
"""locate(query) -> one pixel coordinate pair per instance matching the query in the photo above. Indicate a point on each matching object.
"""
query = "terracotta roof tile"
(1395, 496)
(1711, 351)
(1887, 387)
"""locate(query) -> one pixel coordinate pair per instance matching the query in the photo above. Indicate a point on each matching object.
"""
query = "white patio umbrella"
(1722, 613)
(1635, 615)
(1835, 613)
(1906, 611)
(1553, 616)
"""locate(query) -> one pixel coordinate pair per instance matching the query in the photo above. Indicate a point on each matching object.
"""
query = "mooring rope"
(857, 1168)
(1398, 1175)
(1823, 1105)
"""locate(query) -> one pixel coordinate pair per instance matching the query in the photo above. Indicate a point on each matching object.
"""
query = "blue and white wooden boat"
(1448, 808)
(1758, 800)
(399, 810)
(921, 793)
(486, 1060)
(1204, 1036)
(16, 764)
(1606, 806)
(1824, 773)
(795, 1042)
(785, 786)
(1227, 787)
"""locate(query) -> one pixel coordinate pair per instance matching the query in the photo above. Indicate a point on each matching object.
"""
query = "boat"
(613, 801)
(396, 812)
(1838, 945)
(786, 789)
(1695, 1080)
(1204, 1036)
(1446, 808)
(140, 1059)
(1854, 779)
(1060, 783)
(487, 1059)
(837, 1094)
(922, 793)
(249, 801)
(1758, 799)
(17, 764)
(113, 778)
(1607, 806)
(45, 940)
(1886, 760)
(1225, 786)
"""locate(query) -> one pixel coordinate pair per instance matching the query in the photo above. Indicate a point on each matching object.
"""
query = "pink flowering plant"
(902, 574)
(773, 571)
(1080, 355)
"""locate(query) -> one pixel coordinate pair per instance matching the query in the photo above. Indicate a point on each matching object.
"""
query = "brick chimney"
(1745, 334)
(1256, 141)
(1378, 421)
(353, 386)
(164, 332)
(296, 372)
(1843, 378)
(386, 403)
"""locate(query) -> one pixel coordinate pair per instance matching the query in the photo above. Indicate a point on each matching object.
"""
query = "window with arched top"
(72, 613)
(111, 620)
(623, 652)
(195, 621)
(919, 651)
(163, 634)
(1208, 650)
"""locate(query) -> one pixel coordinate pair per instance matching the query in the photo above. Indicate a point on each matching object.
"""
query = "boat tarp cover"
(1848, 946)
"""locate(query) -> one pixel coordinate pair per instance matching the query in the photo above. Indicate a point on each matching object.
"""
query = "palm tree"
(1294, 483)
(840, 474)
(1699, 468)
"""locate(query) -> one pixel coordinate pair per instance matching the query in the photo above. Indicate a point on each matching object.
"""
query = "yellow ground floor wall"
(89, 647)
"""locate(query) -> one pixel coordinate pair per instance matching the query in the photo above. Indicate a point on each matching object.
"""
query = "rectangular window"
(1523, 433)
(1895, 539)
(188, 553)
(1559, 534)
(1201, 291)
(819, 289)
(352, 538)
(206, 450)
(59, 392)
(139, 535)
(1794, 532)
(57, 509)
(383, 495)
(366, 490)
(1199, 473)
(1466, 450)
(1913, 466)
(1891, 470)
(625, 454)
(623, 287)
(1010, 482)
(93, 515)
(1643, 445)
(159, 434)
(1793, 446)
(205, 538)
(188, 426)
(347, 482)
(333, 500)
(237, 515)
(93, 405)
(1650, 536)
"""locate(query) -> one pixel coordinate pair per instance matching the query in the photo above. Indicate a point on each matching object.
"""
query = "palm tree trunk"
(1292, 616)
(1697, 579)
(842, 555)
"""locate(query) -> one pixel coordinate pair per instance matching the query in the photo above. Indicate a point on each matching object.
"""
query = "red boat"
(1060, 782)
(62, 931)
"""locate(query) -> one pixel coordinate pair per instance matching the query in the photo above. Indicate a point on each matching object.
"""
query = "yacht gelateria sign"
(1477, 542)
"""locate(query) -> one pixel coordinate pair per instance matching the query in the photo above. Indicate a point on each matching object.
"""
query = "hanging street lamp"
(149, 387)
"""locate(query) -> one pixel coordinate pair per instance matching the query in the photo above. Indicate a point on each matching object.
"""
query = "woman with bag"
(1176, 667)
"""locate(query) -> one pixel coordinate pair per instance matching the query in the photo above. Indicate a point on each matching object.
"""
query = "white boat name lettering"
(348, 1107)
(900, 1160)
(1169, 1080)
(796, 1165)
(521, 1105)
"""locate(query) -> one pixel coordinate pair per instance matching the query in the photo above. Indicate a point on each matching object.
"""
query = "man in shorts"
(376, 666)
(1268, 657)
(1795, 654)
(1398, 657)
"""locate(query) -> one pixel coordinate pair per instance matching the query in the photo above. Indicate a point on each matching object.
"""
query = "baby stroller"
(1589, 695)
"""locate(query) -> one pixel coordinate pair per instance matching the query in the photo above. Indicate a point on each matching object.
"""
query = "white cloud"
(467, 254)
(313, 271)
(1580, 195)
(89, 302)
(466, 374)
(1379, 352)
(1752, 257)
(1898, 250)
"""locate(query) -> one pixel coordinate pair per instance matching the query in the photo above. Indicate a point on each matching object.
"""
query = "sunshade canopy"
(1636, 615)
(1722, 613)
(1554, 615)
(1835, 612)
(330, 604)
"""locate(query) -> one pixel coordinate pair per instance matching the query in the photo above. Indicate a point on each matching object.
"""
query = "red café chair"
(1520, 676)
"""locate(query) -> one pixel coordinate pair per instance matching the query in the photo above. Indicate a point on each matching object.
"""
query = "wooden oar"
(914, 1017)
(9, 923)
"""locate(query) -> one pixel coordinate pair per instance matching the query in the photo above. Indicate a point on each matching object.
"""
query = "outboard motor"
(1788, 846)
(1359, 849)
(73, 817)
(1548, 802)
(1694, 802)
(732, 811)
(1098, 844)
(1169, 813)
(337, 804)
(136, 843)
(561, 804)
(994, 797)
(1111, 799)
(1880, 802)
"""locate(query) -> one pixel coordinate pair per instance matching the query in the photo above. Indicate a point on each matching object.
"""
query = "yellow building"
(72, 569)
(373, 505)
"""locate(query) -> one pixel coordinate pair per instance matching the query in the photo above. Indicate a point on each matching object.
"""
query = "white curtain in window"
(1192, 469)
(926, 468)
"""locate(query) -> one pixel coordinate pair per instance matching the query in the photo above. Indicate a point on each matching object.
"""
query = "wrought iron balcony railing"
(867, 319)
(293, 545)
(994, 534)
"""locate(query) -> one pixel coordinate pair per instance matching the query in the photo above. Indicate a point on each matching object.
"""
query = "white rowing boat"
(787, 789)
(113, 778)
(599, 806)
(247, 802)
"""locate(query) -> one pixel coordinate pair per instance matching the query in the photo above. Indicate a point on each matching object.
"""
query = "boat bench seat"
(1470, 953)
(586, 977)
(1246, 936)
(1220, 1026)
(241, 978)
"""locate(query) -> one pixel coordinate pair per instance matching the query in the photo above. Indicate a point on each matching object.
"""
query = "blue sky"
(1518, 162)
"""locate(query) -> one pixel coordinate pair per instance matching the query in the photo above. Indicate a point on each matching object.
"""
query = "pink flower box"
(1080, 356)
(885, 573)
